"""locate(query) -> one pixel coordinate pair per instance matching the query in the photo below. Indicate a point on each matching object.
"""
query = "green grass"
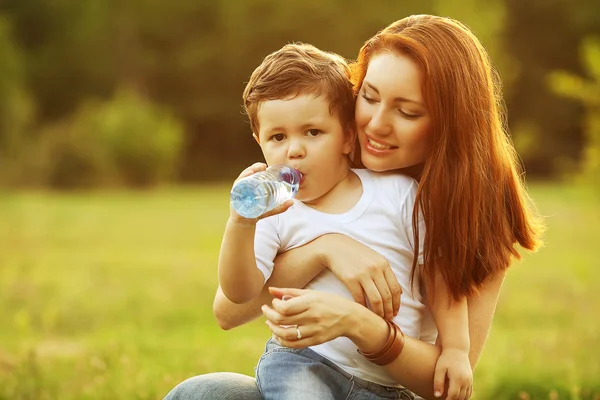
(108, 296)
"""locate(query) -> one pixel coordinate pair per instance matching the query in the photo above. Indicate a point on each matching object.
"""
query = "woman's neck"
(414, 171)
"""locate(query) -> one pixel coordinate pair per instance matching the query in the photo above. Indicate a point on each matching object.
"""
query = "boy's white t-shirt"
(381, 220)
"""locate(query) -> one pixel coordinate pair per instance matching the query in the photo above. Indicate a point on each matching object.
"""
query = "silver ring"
(298, 335)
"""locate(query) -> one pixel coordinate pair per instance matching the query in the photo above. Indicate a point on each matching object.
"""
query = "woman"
(428, 105)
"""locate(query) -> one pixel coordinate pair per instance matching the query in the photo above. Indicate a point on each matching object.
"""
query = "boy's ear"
(256, 138)
(349, 140)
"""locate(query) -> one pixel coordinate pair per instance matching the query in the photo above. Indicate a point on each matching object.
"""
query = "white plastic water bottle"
(258, 193)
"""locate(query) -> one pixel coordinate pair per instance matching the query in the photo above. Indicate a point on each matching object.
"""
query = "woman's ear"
(256, 138)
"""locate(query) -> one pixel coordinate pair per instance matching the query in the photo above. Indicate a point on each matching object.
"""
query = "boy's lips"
(301, 173)
(302, 176)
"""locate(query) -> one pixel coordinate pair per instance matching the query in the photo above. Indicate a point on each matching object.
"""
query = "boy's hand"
(254, 168)
(235, 217)
(453, 364)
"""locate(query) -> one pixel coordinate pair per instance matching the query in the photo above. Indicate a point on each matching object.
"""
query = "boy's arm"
(451, 317)
(294, 268)
(230, 315)
(239, 277)
(452, 320)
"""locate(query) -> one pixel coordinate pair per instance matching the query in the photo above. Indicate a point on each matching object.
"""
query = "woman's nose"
(379, 124)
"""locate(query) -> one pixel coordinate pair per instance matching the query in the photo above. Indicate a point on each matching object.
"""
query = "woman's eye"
(278, 137)
(313, 132)
(408, 115)
(368, 99)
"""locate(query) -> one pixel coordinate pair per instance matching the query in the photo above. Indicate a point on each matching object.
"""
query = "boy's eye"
(278, 137)
(313, 132)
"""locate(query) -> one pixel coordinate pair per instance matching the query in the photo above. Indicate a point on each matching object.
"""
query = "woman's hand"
(363, 271)
(318, 316)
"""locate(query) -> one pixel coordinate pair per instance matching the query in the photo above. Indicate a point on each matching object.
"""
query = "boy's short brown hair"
(297, 69)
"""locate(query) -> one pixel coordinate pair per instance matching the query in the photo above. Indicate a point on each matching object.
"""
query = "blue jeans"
(299, 374)
(216, 386)
(285, 373)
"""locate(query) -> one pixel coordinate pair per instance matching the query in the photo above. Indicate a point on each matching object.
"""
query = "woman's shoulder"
(400, 188)
(395, 178)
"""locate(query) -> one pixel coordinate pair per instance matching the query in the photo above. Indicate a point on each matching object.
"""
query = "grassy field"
(108, 296)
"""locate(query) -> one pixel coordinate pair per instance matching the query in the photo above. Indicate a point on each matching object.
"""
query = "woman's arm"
(323, 317)
(361, 269)
(417, 354)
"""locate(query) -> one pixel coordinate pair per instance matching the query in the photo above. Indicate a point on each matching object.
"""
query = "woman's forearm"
(413, 369)
(294, 268)
(415, 366)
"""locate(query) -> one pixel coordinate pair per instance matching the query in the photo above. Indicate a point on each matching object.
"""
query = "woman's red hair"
(471, 193)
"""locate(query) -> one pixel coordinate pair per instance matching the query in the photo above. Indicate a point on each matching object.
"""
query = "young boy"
(301, 109)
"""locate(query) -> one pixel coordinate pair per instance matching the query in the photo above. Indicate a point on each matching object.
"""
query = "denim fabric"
(300, 374)
(216, 386)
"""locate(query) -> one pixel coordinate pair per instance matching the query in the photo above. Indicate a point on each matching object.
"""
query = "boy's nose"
(296, 151)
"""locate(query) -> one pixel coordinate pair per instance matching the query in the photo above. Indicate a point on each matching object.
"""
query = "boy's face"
(301, 133)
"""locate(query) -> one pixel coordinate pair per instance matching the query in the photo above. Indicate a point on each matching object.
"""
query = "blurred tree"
(68, 51)
(487, 20)
(587, 92)
(125, 141)
(193, 57)
(16, 106)
(543, 36)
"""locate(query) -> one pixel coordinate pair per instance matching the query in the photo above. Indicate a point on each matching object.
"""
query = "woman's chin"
(376, 164)
(380, 164)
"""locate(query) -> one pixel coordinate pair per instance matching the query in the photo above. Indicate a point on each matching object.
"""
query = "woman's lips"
(376, 147)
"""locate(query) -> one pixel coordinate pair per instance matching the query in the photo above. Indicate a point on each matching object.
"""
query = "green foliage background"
(106, 292)
(191, 58)
(108, 296)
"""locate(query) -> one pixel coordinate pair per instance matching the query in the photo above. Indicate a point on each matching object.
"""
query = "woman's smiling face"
(392, 120)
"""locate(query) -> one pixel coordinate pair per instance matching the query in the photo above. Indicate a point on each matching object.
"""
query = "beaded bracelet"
(391, 349)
